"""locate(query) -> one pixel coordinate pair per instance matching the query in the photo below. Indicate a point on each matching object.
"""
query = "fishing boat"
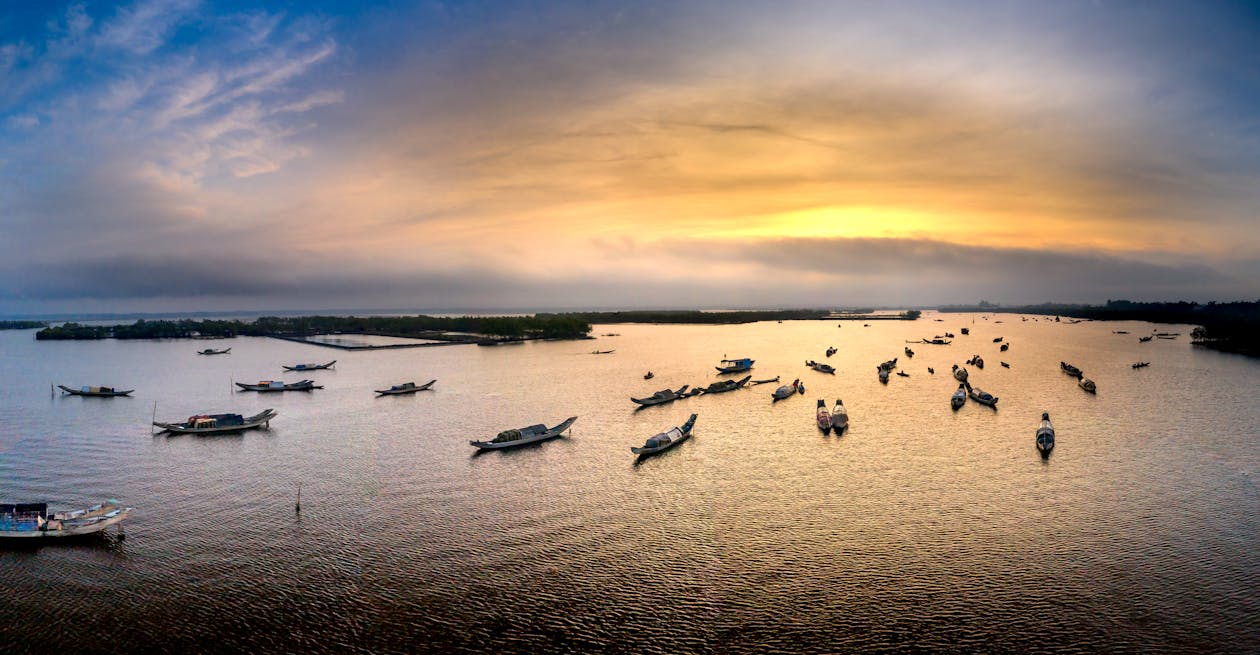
(1005, 347)
(735, 365)
(98, 392)
(727, 385)
(978, 362)
(1161, 336)
(219, 423)
(1004, 365)
(309, 367)
(1141, 364)
(959, 398)
(903, 374)
(212, 351)
(277, 385)
(522, 436)
(965, 331)
(766, 381)
(33, 521)
(997, 340)
(883, 375)
(1045, 435)
(839, 417)
(949, 335)
(823, 416)
(960, 374)
(603, 352)
(909, 353)
(820, 367)
(405, 388)
(937, 341)
(1088, 385)
(888, 365)
(1119, 331)
(667, 439)
(1070, 370)
(661, 397)
(649, 376)
(787, 390)
(931, 371)
(982, 397)
(1144, 339)
(831, 351)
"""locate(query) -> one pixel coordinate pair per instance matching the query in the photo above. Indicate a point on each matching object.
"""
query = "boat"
(903, 374)
(960, 374)
(909, 353)
(661, 397)
(33, 521)
(212, 351)
(309, 367)
(949, 335)
(1045, 435)
(977, 361)
(839, 417)
(1160, 336)
(219, 423)
(1141, 364)
(735, 365)
(99, 392)
(883, 375)
(767, 381)
(821, 368)
(997, 340)
(405, 388)
(982, 397)
(649, 376)
(888, 365)
(1004, 365)
(831, 351)
(603, 352)
(1145, 339)
(786, 390)
(1088, 385)
(965, 331)
(931, 371)
(937, 341)
(727, 385)
(1005, 347)
(823, 416)
(667, 439)
(1167, 334)
(1070, 370)
(959, 398)
(277, 385)
(1119, 331)
(522, 436)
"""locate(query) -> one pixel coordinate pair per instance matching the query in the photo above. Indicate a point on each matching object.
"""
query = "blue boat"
(735, 365)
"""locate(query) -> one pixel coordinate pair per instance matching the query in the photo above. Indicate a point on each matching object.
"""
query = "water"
(918, 528)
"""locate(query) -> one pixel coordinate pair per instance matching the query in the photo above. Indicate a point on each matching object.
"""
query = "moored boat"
(277, 385)
(735, 365)
(1145, 339)
(1004, 365)
(1088, 385)
(405, 388)
(661, 397)
(33, 521)
(820, 367)
(959, 398)
(909, 353)
(309, 367)
(1070, 370)
(786, 390)
(522, 436)
(1045, 435)
(212, 351)
(960, 373)
(1005, 347)
(667, 439)
(903, 374)
(997, 340)
(649, 376)
(98, 392)
(1141, 364)
(219, 423)
(839, 417)
(982, 397)
(965, 331)
(723, 386)
(883, 375)
(978, 362)
(831, 351)
(823, 417)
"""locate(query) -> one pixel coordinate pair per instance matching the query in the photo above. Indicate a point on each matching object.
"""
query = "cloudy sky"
(182, 155)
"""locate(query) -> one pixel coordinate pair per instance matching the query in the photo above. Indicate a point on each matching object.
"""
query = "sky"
(177, 155)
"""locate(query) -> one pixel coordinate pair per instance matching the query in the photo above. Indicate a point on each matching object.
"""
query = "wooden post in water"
(154, 419)
(297, 507)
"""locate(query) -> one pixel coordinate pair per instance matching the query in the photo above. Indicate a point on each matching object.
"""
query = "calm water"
(919, 527)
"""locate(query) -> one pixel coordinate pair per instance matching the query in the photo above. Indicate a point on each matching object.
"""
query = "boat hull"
(260, 420)
(69, 532)
(95, 394)
(551, 433)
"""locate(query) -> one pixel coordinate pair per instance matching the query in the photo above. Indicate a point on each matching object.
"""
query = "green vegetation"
(21, 325)
(729, 318)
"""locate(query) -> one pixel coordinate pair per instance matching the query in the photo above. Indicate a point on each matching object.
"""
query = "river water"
(919, 528)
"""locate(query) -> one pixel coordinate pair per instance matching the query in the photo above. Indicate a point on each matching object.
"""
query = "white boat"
(667, 439)
(823, 417)
(522, 436)
(1045, 435)
(219, 423)
(839, 417)
(405, 388)
(960, 373)
(982, 397)
(787, 390)
(32, 520)
(1088, 385)
(959, 398)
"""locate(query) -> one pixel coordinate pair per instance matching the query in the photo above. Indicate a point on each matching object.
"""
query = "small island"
(22, 325)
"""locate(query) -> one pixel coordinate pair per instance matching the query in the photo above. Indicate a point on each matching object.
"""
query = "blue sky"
(184, 155)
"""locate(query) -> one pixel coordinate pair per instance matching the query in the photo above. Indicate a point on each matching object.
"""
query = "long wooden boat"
(1141, 364)
(839, 417)
(219, 423)
(32, 520)
(277, 385)
(661, 397)
(1070, 370)
(787, 391)
(1145, 339)
(309, 367)
(405, 388)
(766, 381)
(1045, 435)
(960, 373)
(982, 397)
(727, 385)
(735, 365)
(666, 440)
(823, 417)
(883, 375)
(959, 398)
(522, 436)
(99, 392)
(1088, 385)
(212, 351)
(820, 367)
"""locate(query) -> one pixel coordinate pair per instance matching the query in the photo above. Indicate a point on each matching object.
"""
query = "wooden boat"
(965, 331)
(1004, 365)
(661, 397)
(959, 398)
(787, 390)
(1070, 370)
(735, 365)
(727, 385)
(937, 341)
(931, 371)
(277, 385)
(839, 417)
(219, 423)
(1144, 339)
(960, 374)
(903, 374)
(888, 365)
(1141, 365)
(1088, 385)
(831, 351)
(767, 381)
(649, 376)
(667, 439)
(309, 367)
(1119, 331)
(1045, 435)
(32, 520)
(212, 351)
(997, 340)
(949, 335)
(1005, 347)
(98, 392)
(909, 353)
(522, 436)
(978, 362)
(821, 368)
(1160, 336)
(823, 417)
(883, 375)
(603, 352)
(405, 388)
(982, 397)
